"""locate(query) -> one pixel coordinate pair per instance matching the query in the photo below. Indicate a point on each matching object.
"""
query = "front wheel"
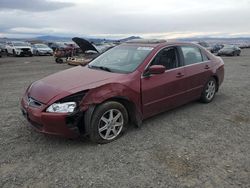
(209, 91)
(109, 121)
(14, 53)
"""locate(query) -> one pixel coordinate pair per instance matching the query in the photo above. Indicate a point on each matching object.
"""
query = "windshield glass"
(228, 47)
(20, 44)
(41, 46)
(122, 59)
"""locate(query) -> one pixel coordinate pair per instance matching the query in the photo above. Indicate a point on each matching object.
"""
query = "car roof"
(156, 43)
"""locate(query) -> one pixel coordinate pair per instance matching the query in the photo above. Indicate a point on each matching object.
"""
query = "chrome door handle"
(207, 67)
(179, 75)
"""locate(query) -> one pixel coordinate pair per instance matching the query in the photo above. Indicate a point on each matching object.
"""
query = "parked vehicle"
(57, 45)
(128, 83)
(230, 50)
(205, 45)
(41, 49)
(216, 48)
(88, 51)
(18, 48)
(2, 49)
(61, 51)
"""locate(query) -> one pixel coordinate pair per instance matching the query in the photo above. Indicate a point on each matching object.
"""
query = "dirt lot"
(197, 145)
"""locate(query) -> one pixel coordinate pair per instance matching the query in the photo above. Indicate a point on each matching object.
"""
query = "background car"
(57, 46)
(41, 49)
(216, 48)
(230, 50)
(2, 49)
(61, 50)
(18, 48)
(205, 45)
(126, 84)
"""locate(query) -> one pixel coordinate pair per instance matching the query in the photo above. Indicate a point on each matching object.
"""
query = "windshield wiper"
(100, 67)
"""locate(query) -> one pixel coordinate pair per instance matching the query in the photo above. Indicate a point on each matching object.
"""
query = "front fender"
(115, 92)
(105, 92)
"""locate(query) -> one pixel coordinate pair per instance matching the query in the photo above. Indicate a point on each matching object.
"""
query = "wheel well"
(130, 107)
(217, 82)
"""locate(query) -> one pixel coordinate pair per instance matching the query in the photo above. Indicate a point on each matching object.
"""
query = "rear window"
(191, 55)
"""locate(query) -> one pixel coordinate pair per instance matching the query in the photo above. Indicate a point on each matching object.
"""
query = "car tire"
(59, 60)
(109, 121)
(209, 91)
(14, 53)
(235, 54)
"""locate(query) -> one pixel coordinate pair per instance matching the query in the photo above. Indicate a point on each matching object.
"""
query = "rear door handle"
(207, 67)
(179, 75)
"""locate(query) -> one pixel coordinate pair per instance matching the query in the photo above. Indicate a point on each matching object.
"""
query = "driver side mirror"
(155, 69)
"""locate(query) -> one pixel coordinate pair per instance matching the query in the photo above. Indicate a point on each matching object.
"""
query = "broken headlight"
(68, 104)
(67, 107)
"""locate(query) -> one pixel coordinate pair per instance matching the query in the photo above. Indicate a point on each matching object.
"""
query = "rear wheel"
(209, 91)
(109, 121)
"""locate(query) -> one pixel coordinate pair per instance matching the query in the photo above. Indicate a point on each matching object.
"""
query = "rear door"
(164, 91)
(198, 70)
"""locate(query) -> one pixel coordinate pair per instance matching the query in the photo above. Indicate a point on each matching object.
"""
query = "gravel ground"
(196, 145)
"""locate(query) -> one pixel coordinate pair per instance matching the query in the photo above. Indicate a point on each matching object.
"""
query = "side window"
(204, 56)
(166, 57)
(191, 55)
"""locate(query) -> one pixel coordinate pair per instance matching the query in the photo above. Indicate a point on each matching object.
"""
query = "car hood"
(19, 47)
(226, 50)
(44, 49)
(84, 44)
(70, 81)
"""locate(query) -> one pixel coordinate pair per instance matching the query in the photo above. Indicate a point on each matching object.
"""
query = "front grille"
(33, 102)
(25, 49)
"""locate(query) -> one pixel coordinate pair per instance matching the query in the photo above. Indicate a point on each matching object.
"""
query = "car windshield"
(20, 44)
(228, 47)
(121, 59)
(41, 46)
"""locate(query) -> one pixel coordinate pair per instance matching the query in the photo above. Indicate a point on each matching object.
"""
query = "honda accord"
(125, 85)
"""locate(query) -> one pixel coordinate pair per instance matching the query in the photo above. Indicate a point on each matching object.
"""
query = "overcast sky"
(118, 19)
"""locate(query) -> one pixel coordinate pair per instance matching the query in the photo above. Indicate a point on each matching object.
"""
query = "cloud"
(110, 18)
(33, 5)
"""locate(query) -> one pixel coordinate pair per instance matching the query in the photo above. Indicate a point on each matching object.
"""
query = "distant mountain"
(53, 38)
(129, 38)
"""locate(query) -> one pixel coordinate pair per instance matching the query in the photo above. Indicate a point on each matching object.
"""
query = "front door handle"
(207, 67)
(179, 75)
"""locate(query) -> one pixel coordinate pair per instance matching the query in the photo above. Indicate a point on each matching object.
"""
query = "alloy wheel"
(210, 90)
(111, 124)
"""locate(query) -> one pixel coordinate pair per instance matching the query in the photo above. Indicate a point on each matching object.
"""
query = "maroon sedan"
(126, 84)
